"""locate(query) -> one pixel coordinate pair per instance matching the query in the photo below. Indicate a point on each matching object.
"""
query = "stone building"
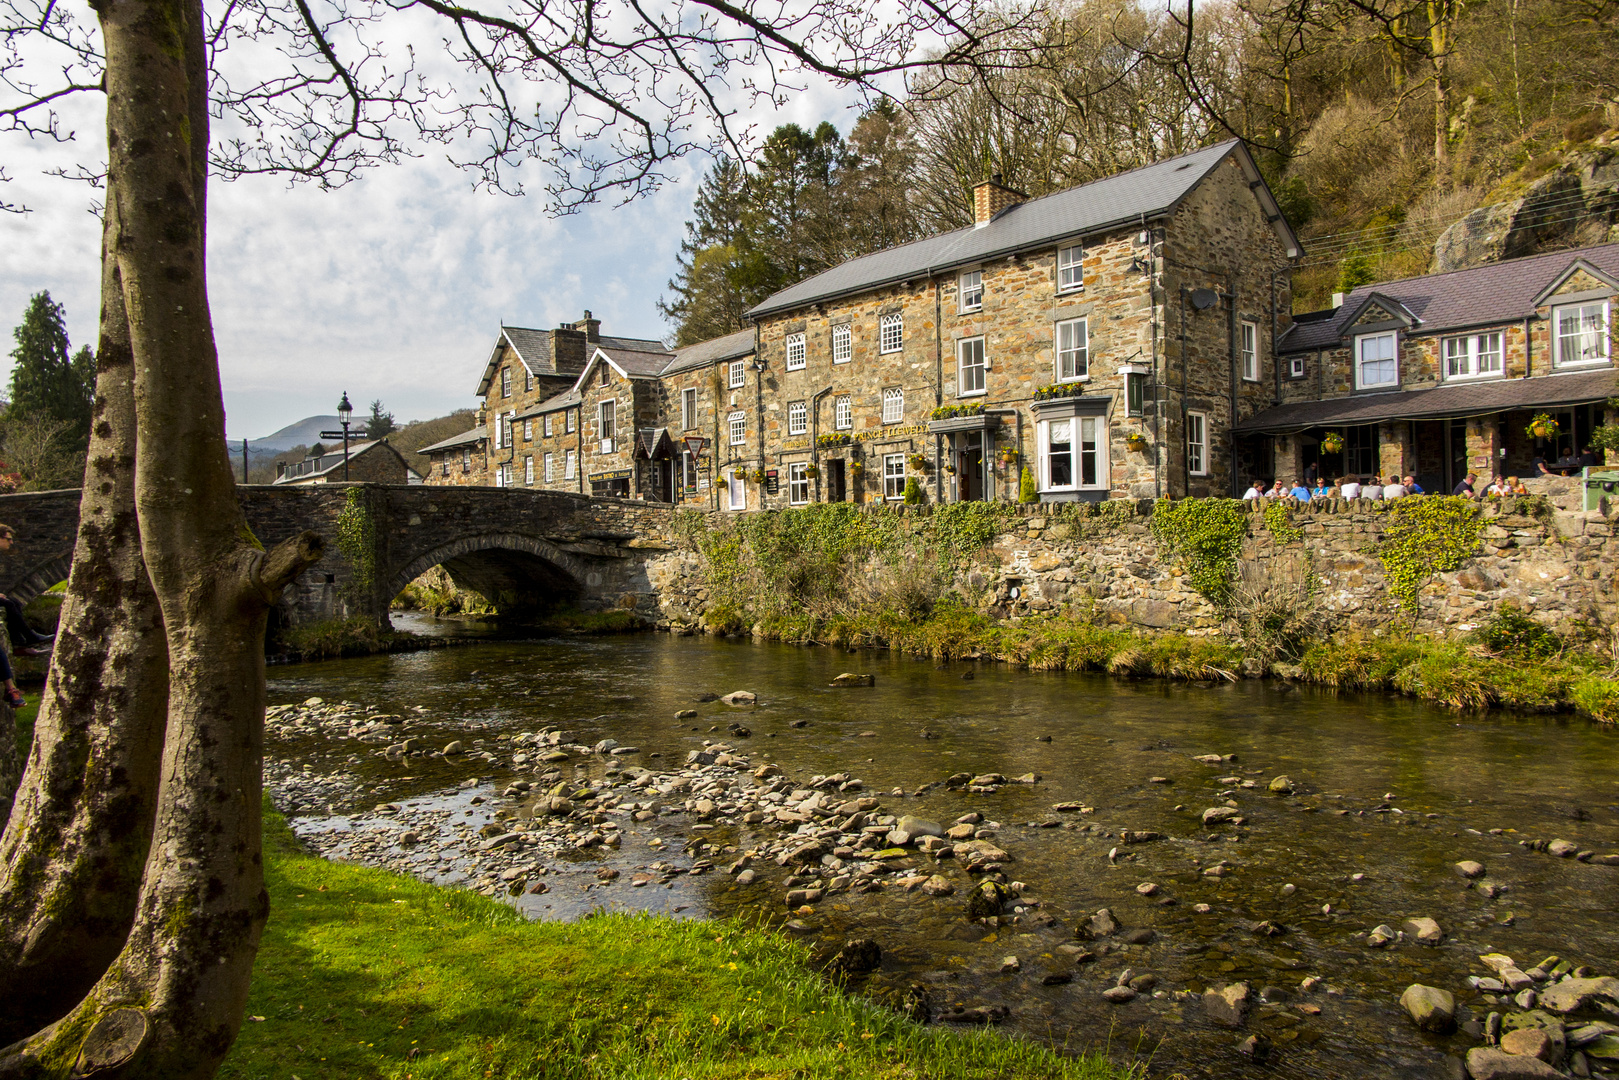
(1104, 337)
(1441, 375)
(374, 462)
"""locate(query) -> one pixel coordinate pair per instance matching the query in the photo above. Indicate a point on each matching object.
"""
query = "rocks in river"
(1380, 936)
(848, 678)
(1100, 925)
(1010, 964)
(1431, 1008)
(1563, 849)
(1139, 936)
(1227, 1005)
(1467, 868)
(858, 956)
(916, 826)
(1532, 1042)
(1119, 995)
(604, 747)
(1147, 888)
(1425, 930)
(1282, 786)
(739, 698)
(1484, 1063)
(1572, 995)
(1215, 815)
(746, 877)
(1257, 1047)
(454, 747)
(960, 832)
(938, 886)
(685, 714)
(987, 899)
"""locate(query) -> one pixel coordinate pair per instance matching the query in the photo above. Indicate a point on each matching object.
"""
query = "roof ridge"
(1488, 265)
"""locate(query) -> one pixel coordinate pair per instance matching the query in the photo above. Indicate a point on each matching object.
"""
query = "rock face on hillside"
(1574, 205)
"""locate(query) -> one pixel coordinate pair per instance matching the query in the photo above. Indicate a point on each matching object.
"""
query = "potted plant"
(918, 463)
(1543, 426)
(857, 469)
(1136, 441)
(1332, 442)
(1008, 455)
(756, 475)
(812, 471)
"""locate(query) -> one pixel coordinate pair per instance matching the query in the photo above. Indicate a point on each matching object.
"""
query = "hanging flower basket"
(1332, 442)
(951, 469)
(1008, 455)
(1136, 441)
(917, 462)
(812, 471)
(857, 469)
(756, 475)
(1543, 426)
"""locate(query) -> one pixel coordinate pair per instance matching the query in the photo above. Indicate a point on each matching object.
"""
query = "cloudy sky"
(393, 287)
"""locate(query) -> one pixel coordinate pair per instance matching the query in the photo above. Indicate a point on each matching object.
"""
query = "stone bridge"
(544, 547)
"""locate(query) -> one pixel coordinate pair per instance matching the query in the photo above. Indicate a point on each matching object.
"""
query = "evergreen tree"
(381, 423)
(722, 272)
(45, 382)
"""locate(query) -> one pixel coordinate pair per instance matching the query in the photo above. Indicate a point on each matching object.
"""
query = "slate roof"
(570, 396)
(1486, 295)
(636, 363)
(327, 462)
(730, 347)
(1442, 401)
(1138, 195)
(533, 348)
(477, 434)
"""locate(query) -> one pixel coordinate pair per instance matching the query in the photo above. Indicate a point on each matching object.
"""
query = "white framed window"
(688, 407)
(891, 333)
(528, 431)
(506, 382)
(506, 429)
(1197, 444)
(842, 344)
(843, 413)
(1582, 333)
(528, 380)
(1070, 268)
(570, 467)
(970, 292)
(893, 404)
(893, 477)
(798, 483)
(736, 374)
(1073, 350)
(1295, 368)
(547, 425)
(1377, 360)
(573, 420)
(1474, 356)
(528, 470)
(736, 490)
(795, 352)
(500, 430)
(1249, 336)
(1073, 453)
(738, 422)
(506, 475)
(550, 468)
(606, 417)
(797, 418)
(970, 367)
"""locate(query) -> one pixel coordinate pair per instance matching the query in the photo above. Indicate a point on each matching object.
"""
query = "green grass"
(332, 638)
(611, 621)
(364, 973)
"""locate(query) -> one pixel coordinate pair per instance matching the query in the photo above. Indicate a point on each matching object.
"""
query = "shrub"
(1027, 492)
(1513, 632)
(913, 491)
(1205, 537)
(1598, 697)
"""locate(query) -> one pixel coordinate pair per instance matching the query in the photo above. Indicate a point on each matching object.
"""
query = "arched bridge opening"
(511, 572)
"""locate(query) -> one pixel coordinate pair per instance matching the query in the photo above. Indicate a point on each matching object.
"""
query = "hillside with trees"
(1378, 123)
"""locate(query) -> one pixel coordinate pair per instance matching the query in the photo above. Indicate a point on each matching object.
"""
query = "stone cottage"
(373, 462)
(1104, 338)
(1441, 375)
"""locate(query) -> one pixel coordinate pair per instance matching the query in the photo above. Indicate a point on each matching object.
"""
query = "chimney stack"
(591, 327)
(992, 196)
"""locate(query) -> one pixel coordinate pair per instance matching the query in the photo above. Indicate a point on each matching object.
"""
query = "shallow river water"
(1385, 787)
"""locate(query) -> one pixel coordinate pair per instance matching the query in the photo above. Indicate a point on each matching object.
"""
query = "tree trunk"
(170, 1004)
(1440, 16)
(73, 852)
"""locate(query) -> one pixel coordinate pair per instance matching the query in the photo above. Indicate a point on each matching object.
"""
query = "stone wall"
(1558, 564)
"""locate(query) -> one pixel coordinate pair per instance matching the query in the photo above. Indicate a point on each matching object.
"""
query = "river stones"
(1010, 965)
(1215, 815)
(1227, 1005)
(938, 886)
(1257, 1047)
(858, 956)
(1118, 995)
(849, 678)
(1484, 1063)
(1425, 930)
(1281, 786)
(1467, 868)
(1100, 925)
(1380, 936)
(919, 826)
(1572, 995)
(1147, 888)
(1530, 1042)
(987, 899)
(737, 698)
(454, 747)
(1562, 849)
(1431, 1008)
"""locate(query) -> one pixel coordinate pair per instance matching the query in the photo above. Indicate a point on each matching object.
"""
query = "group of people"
(1345, 487)
(1351, 487)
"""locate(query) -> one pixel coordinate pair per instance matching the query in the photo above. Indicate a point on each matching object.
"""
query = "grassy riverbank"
(373, 974)
(1505, 664)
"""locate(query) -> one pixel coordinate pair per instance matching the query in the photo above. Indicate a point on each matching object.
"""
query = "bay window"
(1072, 453)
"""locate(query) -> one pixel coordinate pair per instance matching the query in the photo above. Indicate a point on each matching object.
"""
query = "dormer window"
(1377, 364)
(1582, 333)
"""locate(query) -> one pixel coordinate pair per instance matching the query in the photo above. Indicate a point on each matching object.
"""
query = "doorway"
(836, 485)
(663, 482)
(969, 455)
(1456, 458)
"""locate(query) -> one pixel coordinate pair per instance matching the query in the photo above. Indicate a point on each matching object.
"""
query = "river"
(1389, 795)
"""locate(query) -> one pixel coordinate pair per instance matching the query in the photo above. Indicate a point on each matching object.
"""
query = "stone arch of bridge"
(41, 577)
(501, 564)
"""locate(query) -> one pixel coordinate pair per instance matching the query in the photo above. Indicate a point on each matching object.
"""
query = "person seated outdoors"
(1412, 487)
(24, 638)
(1300, 492)
(1349, 487)
(1372, 489)
(1464, 487)
(1568, 462)
(1542, 467)
(1589, 458)
(1516, 486)
(1321, 490)
(1277, 491)
(1255, 491)
(1393, 489)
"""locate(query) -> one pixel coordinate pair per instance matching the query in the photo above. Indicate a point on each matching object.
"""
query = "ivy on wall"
(1425, 537)
(1205, 537)
(1279, 520)
(357, 541)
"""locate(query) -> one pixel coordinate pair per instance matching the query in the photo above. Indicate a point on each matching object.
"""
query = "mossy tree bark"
(71, 858)
(170, 1003)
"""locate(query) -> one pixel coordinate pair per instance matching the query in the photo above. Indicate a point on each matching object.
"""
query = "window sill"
(846, 360)
(1252, 378)
(1488, 377)
(974, 393)
(891, 352)
(795, 367)
(1562, 365)
(1072, 290)
(1075, 379)
(971, 310)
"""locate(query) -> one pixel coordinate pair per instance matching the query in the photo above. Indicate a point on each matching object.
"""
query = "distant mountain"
(305, 432)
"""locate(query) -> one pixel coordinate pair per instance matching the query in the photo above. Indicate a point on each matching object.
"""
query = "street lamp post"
(345, 413)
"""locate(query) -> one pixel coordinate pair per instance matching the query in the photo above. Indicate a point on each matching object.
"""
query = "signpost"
(333, 434)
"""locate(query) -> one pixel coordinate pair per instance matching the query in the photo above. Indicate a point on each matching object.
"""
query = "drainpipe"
(1528, 350)
(815, 437)
(938, 384)
(1186, 476)
(1236, 377)
(1157, 441)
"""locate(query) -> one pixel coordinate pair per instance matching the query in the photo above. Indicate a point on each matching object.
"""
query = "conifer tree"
(45, 381)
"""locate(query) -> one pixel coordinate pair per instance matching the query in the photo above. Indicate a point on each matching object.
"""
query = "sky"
(392, 288)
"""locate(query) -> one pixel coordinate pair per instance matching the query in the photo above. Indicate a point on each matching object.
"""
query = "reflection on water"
(1387, 788)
